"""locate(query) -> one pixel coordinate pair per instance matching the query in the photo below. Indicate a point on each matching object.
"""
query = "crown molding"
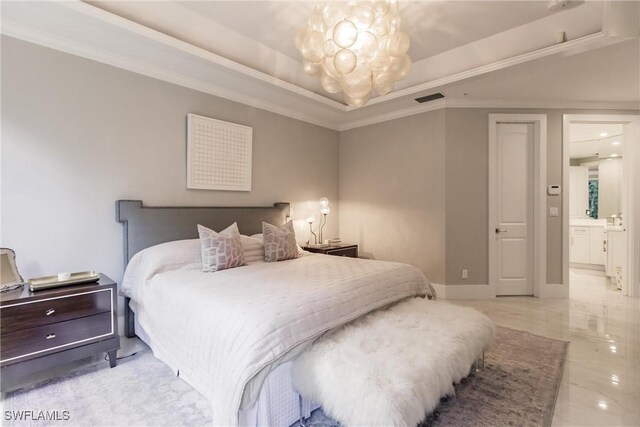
(109, 58)
(421, 108)
(491, 103)
(164, 39)
(586, 42)
(266, 92)
(550, 104)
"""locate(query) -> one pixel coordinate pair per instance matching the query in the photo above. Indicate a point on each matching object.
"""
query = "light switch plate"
(553, 211)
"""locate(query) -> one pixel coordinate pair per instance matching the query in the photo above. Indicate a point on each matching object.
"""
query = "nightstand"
(339, 249)
(43, 329)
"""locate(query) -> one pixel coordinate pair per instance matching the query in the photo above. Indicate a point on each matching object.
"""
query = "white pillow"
(222, 250)
(175, 255)
(252, 249)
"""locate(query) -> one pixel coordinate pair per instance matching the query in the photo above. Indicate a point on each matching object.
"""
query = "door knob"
(500, 231)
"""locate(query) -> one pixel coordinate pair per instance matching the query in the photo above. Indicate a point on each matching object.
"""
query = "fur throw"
(391, 367)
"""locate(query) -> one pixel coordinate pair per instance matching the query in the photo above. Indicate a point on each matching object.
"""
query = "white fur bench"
(391, 367)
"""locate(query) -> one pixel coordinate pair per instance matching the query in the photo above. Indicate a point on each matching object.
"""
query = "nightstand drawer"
(348, 252)
(45, 312)
(32, 341)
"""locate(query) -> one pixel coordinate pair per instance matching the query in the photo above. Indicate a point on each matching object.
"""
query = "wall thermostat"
(553, 190)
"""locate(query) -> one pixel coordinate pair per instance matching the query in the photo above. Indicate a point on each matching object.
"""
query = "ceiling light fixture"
(355, 47)
(614, 155)
(615, 143)
(604, 135)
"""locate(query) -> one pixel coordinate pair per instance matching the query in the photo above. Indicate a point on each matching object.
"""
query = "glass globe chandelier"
(356, 48)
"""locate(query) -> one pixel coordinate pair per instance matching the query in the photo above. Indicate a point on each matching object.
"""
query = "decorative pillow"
(279, 242)
(252, 249)
(221, 250)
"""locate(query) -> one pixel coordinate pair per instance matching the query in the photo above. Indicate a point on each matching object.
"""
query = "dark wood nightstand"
(340, 249)
(42, 329)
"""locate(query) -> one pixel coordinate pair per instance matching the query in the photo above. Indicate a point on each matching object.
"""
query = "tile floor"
(601, 381)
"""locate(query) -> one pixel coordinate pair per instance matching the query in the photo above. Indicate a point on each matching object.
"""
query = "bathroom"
(598, 244)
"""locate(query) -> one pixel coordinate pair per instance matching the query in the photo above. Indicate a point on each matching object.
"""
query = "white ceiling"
(477, 53)
(436, 26)
(596, 139)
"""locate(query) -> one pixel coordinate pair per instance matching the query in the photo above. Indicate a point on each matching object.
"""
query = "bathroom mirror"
(596, 170)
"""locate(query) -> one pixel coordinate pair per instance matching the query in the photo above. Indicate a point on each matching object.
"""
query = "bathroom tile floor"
(601, 380)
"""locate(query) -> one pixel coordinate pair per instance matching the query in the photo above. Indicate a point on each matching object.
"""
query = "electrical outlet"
(465, 273)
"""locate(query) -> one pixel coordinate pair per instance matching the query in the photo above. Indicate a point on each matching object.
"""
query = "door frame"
(539, 260)
(630, 157)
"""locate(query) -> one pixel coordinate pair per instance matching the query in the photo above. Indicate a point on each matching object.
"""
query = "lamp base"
(319, 245)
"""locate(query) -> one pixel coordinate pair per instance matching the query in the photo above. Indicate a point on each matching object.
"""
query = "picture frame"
(10, 278)
(219, 154)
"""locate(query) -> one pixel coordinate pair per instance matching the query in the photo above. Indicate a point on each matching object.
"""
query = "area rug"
(518, 386)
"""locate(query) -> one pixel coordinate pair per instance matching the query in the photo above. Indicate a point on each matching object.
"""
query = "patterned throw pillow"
(279, 242)
(221, 250)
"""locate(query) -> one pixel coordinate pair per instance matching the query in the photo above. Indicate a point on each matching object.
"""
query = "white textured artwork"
(218, 154)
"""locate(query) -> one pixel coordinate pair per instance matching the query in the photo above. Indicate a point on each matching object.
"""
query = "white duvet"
(223, 332)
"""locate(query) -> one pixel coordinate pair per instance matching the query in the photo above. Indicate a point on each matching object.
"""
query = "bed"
(232, 334)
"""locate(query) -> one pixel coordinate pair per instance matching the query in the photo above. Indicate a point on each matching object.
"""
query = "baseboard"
(451, 292)
(121, 325)
(587, 271)
(550, 290)
(463, 291)
(590, 267)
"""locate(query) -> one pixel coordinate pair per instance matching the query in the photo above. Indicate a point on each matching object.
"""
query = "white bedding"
(278, 403)
(223, 332)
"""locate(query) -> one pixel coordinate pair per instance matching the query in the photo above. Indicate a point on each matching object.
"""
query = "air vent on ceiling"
(430, 97)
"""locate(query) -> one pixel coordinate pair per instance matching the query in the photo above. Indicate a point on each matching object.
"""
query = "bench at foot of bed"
(393, 366)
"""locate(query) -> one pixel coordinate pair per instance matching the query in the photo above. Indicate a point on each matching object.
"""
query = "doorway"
(599, 207)
(517, 204)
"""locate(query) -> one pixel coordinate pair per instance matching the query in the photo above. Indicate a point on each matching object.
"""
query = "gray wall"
(77, 135)
(394, 177)
(392, 191)
(467, 176)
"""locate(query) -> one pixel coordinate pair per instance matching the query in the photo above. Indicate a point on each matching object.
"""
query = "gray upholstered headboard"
(146, 226)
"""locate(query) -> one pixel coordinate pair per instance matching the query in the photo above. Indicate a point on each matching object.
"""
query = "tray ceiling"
(471, 51)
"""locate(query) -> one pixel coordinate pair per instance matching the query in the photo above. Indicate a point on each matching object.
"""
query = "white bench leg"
(478, 365)
(303, 420)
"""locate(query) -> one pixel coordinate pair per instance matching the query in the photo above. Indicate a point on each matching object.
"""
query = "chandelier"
(356, 48)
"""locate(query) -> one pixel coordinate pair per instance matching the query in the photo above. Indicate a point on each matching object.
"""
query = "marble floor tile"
(601, 379)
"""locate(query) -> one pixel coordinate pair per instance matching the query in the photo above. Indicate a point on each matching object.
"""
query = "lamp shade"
(324, 210)
(324, 202)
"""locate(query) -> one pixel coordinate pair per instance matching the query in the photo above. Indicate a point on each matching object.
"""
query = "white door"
(514, 207)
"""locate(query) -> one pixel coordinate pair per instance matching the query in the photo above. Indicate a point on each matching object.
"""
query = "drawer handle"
(49, 312)
(51, 336)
